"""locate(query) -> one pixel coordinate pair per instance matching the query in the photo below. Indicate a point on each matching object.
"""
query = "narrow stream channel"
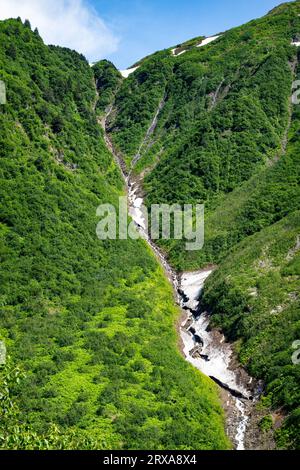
(206, 349)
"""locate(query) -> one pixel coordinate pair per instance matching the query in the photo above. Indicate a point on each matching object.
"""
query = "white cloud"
(68, 23)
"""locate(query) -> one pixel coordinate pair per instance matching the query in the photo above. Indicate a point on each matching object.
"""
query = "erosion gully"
(204, 347)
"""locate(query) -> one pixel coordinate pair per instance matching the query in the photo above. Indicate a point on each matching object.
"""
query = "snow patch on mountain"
(127, 72)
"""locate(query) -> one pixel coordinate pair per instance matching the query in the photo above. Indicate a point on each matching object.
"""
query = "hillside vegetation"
(88, 324)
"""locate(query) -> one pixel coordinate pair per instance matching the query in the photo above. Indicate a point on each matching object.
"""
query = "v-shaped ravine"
(202, 346)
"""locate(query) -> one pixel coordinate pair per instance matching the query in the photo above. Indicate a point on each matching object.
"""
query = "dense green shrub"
(227, 135)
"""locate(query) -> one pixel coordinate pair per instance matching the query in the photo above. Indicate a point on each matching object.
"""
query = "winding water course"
(203, 347)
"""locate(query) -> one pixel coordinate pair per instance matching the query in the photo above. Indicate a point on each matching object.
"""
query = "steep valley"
(218, 125)
(139, 343)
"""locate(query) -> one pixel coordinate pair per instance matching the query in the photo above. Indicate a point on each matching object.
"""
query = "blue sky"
(144, 26)
(127, 30)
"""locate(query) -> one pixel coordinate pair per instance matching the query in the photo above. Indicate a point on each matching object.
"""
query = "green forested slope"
(88, 324)
(228, 136)
(222, 131)
(238, 126)
(254, 297)
(108, 79)
(269, 195)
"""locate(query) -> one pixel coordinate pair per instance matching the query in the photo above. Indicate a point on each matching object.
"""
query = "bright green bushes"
(228, 136)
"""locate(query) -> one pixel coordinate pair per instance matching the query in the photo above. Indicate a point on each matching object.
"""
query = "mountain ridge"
(88, 324)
